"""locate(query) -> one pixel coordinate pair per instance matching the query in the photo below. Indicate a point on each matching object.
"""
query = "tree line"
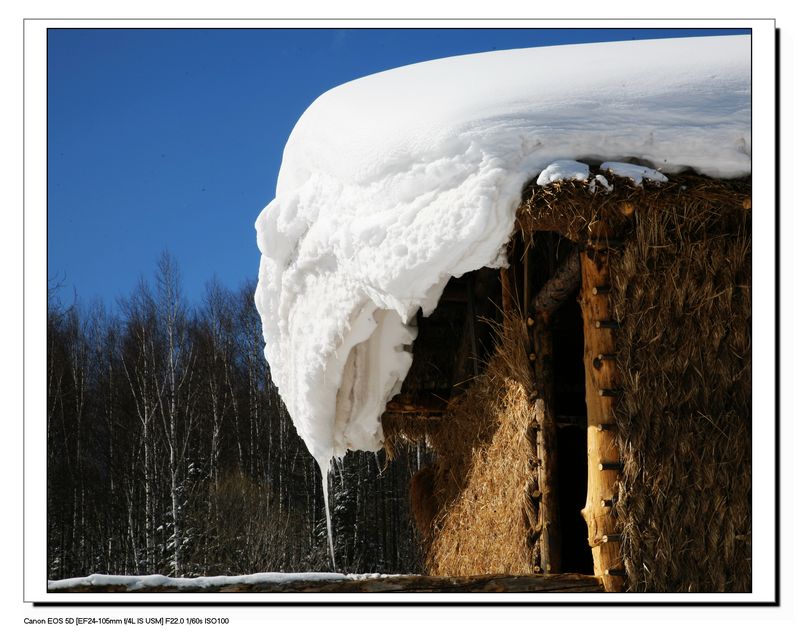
(169, 450)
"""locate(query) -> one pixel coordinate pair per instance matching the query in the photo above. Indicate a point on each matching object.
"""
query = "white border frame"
(764, 319)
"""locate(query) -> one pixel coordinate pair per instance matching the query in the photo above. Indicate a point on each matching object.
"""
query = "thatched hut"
(585, 378)
(590, 406)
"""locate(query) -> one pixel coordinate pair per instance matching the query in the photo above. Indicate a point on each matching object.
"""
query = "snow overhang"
(394, 183)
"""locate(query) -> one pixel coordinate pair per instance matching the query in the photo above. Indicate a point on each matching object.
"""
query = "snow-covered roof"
(395, 182)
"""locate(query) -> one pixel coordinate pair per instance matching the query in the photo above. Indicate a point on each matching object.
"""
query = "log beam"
(562, 583)
(547, 450)
(426, 406)
(558, 288)
(508, 305)
(601, 390)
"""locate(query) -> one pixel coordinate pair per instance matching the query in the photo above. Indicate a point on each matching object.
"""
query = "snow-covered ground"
(395, 182)
(133, 583)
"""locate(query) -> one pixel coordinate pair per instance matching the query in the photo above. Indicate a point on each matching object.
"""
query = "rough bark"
(600, 375)
(558, 288)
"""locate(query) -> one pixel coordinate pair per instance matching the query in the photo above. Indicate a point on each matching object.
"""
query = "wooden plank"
(508, 304)
(428, 406)
(600, 394)
(558, 583)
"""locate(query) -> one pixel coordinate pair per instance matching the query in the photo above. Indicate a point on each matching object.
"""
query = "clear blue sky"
(172, 139)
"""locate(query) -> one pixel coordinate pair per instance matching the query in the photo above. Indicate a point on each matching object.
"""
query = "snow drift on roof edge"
(395, 182)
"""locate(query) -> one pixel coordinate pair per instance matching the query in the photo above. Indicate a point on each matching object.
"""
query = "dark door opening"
(548, 252)
(570, 412)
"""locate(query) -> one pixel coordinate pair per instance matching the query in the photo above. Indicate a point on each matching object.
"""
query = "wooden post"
(547, 446)
(526, 278)
(563, 583)
(603, 454)
(472, 321)
(546, 302)
(507, 295)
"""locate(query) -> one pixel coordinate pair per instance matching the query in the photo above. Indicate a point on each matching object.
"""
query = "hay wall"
(682, 293)
(472, 505)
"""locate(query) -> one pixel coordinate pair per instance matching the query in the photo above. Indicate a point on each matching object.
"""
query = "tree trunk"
(600, 376)
(176, 518)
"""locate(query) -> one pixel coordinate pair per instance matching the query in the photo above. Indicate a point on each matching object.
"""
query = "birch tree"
(175, 405)
(139, 357)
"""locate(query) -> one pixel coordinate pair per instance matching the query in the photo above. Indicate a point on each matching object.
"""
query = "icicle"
(325, 469)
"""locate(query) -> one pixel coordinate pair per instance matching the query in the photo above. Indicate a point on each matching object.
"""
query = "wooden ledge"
(553, 583)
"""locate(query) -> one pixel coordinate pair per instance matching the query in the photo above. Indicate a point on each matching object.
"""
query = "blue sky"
(172, 139)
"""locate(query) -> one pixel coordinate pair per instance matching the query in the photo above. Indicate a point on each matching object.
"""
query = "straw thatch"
(472, 505)
(681, 293)
(683, 296)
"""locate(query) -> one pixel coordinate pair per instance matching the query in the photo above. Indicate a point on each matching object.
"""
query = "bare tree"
(170, 450)
(139, 357)
(217, 331)
(175, 403)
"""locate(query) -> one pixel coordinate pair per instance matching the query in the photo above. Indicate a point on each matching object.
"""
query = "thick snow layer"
(634, 172)
(393, 183)
(134, 583)
(561, 170)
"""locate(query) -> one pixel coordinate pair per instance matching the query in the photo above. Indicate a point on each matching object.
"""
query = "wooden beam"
(558, 288)
(526, 278)
(428, 406)
(508, 305)
(561, 583)
(472, 324)
(546, 443)
(600, 394)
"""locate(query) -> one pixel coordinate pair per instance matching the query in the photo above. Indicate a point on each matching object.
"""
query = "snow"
(134, 583)
(324, 469)
(634, 172)
(561, 170)
(603, 181)
(393, 183)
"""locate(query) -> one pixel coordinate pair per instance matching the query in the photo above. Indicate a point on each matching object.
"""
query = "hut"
(590, 406)
(580, 329)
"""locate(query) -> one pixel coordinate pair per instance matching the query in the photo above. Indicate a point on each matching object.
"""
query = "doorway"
(563, 371)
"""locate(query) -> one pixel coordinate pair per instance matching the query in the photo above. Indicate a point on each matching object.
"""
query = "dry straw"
(472, 505)
(681, 293)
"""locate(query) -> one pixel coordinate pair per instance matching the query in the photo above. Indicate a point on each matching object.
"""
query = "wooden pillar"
(600, 392)
(547, 445)
(508, 305)
(546, 302)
